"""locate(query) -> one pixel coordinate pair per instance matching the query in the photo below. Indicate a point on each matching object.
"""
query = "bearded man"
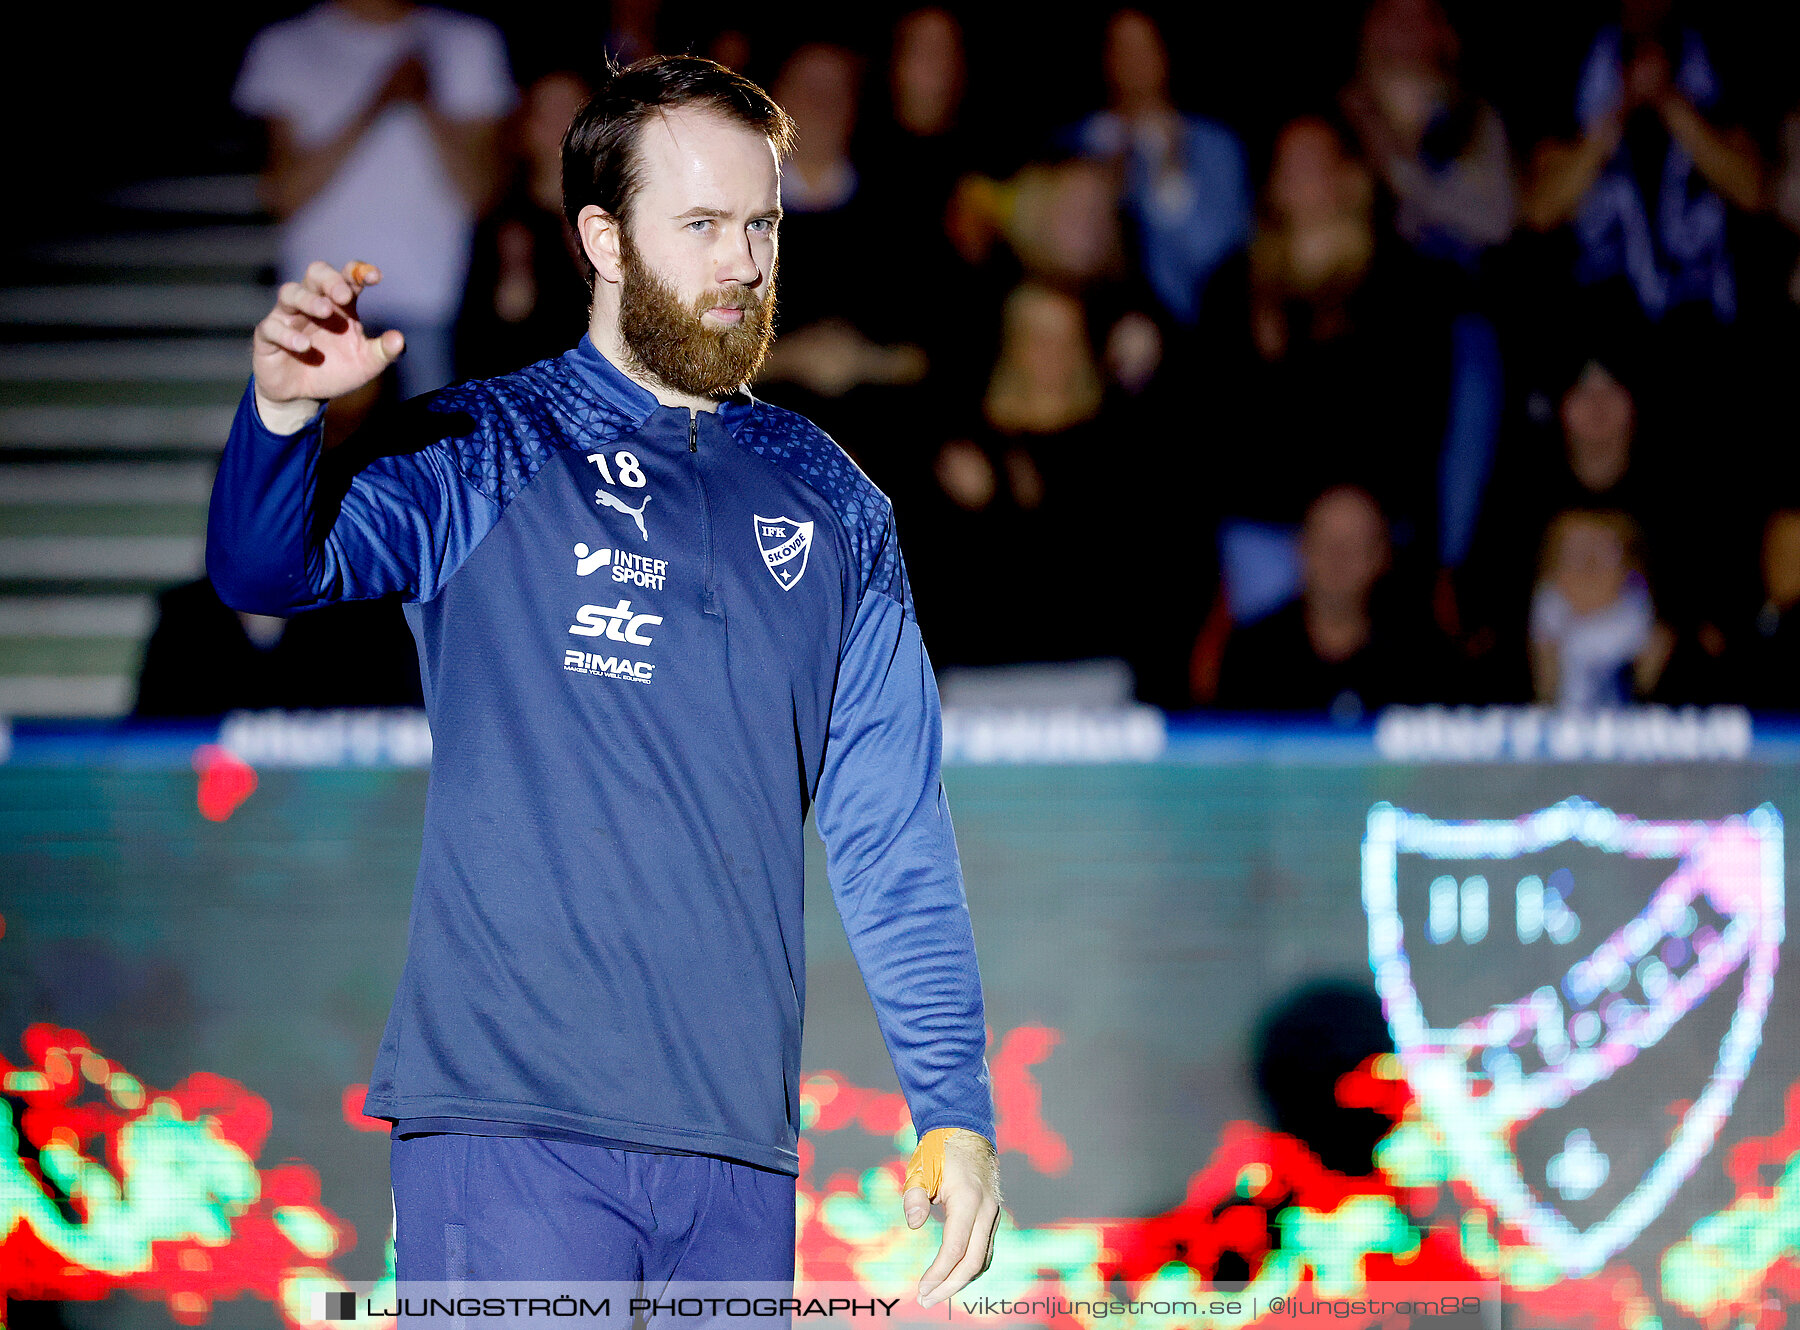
(658, 620)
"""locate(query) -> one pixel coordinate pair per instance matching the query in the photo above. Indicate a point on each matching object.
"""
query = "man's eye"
(700, 224)
(763, 224)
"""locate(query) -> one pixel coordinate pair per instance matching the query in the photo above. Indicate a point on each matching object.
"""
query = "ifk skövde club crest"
(1552, 1038)
(785, 543)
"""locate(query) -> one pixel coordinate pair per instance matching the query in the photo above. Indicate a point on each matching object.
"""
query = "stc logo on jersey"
(619, 624)
(616, 622)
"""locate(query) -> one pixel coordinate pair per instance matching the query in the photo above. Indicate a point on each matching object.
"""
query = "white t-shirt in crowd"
(1594, 652)
(392, 202)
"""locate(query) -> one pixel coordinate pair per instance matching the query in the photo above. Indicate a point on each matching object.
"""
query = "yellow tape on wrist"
(926, 1167)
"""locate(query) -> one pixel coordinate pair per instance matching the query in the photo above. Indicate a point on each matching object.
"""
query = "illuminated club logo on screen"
(1576, 997)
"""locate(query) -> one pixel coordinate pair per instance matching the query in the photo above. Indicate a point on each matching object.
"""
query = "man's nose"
(738, 263)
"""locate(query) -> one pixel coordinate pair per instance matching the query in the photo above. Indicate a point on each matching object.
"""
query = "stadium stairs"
(123, 351)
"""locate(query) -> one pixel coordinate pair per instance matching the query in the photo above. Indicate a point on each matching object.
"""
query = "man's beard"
(670, 340)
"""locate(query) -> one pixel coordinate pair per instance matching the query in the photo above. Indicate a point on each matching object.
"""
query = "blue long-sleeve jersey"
(650, 639)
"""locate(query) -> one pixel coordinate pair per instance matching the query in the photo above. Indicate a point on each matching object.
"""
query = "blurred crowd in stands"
(1415, 387)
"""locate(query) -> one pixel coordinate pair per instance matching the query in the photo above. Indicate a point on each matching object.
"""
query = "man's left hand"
(959, 1169)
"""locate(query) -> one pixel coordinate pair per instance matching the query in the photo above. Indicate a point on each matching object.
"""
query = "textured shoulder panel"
(799, 447)
(514, 423)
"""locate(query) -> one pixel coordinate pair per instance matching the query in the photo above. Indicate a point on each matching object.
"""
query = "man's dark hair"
(600, 164)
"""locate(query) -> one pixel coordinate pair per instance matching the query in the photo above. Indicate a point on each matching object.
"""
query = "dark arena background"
(1345, 456)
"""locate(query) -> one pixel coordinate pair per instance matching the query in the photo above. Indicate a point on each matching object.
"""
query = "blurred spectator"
(1184, 181)
(1442, 153)
(1046, 380)
(919, 147)
(1599, 418)
(1767, 657)
(1016, 501)
(1076, 345)
(1784, 191)
(835, 338)
(1645, 170)
(383, 119)
(1326, 355)
(1604, 444)
(1060, 220)
(922, 147)
(527, 295)
(1340, 646)
(204, 659)
(820, 84)
(1595, 638)
(1316, 243)
(1076, 334)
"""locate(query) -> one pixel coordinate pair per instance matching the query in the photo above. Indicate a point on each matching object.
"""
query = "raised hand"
(311, 347)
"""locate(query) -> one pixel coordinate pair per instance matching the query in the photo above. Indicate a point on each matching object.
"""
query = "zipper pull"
(693, 431)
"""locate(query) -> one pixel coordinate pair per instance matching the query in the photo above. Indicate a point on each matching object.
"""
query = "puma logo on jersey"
(619, 505)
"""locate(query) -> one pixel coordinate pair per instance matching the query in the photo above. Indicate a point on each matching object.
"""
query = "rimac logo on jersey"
(785, 542)
(610, 667)
(1547, 982)
(636, 569)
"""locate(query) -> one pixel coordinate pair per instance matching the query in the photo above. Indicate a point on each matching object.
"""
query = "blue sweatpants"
(521, 1208)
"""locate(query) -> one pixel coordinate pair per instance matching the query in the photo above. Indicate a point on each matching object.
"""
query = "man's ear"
(599, 231)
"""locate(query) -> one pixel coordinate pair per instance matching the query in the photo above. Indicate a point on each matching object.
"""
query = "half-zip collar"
(619, 390)
(660, 427)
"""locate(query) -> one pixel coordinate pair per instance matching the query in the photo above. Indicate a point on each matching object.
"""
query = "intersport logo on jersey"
(637, 569)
